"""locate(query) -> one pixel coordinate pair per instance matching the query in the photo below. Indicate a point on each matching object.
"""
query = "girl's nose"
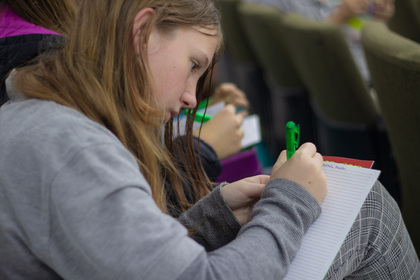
(188, 98)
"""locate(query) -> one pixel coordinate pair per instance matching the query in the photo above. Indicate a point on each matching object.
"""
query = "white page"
(214, 109)
(252, 131)
(348, 187)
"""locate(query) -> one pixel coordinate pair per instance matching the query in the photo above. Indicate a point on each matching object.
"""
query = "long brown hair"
(55, 15)
(98, 73)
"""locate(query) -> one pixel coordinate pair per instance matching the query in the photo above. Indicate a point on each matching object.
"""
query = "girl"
(82, 164)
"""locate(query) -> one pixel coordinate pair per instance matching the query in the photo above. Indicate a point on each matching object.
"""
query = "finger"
(282, 157)
(240, 119)
(230, 108)
(239, 103)
(318, 157)
(234, 95)
(244, 113)
(253, 189)
(308, 148)
(239, 99)
(259, 179)
(241, 133)
(227, 86)
(242, 103)
(224, 90)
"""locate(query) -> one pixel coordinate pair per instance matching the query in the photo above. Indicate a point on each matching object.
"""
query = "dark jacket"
(212, 167)
(17, 51)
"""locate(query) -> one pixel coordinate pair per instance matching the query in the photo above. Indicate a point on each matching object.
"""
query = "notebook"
(348, 187)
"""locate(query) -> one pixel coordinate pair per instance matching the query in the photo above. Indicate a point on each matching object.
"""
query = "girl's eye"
(194, 65)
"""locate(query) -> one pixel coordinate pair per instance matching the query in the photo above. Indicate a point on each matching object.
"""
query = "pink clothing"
(13, 25)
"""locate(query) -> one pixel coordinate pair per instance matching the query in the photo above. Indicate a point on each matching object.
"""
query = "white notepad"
(348, 187)
(252, 131)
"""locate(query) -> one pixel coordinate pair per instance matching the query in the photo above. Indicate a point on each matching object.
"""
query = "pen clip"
(292, 138)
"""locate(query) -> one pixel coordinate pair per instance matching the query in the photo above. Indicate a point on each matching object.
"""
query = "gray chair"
(406, 19)
(239, 65)
(415, 7)
(290, 101)
(345, 113)
(394, 63)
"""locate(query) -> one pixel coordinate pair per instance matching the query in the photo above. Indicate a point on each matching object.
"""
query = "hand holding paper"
(223, 132)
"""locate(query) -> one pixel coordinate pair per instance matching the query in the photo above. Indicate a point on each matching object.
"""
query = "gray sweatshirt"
(74, 205)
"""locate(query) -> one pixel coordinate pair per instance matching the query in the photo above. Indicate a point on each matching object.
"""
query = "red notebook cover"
(350, 161)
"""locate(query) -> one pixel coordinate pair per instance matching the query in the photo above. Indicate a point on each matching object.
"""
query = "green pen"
(292, 138)
(199, 117)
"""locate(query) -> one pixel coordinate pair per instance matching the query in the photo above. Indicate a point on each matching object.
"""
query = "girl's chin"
(169, 115)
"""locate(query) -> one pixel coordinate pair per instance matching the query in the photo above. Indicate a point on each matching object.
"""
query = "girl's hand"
(230, 94)
(242, 195)
(384, 10)
(304, 168)
(223, 132)
(349, 9)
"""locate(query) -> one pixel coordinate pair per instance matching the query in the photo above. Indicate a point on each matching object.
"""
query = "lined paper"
(348, 187)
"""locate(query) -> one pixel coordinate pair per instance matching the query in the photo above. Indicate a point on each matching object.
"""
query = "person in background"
(342, 13)
(82, 166)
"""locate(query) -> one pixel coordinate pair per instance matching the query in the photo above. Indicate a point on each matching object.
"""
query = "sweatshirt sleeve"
(266, 245)
(212, 222)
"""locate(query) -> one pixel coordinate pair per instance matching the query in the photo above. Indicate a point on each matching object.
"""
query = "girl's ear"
(140, 20)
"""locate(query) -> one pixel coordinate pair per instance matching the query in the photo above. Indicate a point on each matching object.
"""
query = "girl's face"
(177, 61)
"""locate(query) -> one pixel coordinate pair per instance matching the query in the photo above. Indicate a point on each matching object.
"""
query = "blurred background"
(352, 86)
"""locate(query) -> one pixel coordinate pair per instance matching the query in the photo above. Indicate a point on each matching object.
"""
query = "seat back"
(415, 7)
(234, 34)
(406, 19)
(345, 111)
(241, 67)
(394, 63)
(262, 28)
(290, 102)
